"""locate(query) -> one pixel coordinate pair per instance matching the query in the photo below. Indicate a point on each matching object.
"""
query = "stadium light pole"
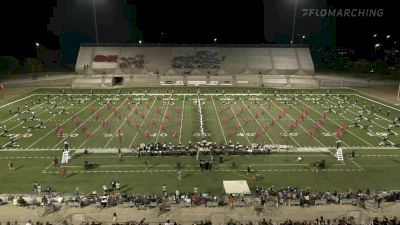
(37, 45)
(294, 20)
(95, 22)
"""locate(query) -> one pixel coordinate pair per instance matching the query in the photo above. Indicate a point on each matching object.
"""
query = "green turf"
(374, 167)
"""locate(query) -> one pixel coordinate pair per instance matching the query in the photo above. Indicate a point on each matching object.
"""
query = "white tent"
(236, 187)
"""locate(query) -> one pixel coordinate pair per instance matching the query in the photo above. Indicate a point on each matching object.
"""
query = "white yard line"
(288, 114)
(141, 125)
(347, 130)
(384, 128)
(257, 122)
(76, 128)
(357, 164)
(321, 126)
(28, 131)
(111, 114)
(21, 122)
(377, 102)
(219, 121)
(122, 123)
(323, 129)
(163, 119)
(60, 125)
(180, 130)
(277, 122)
(10, 103)
(238, 120)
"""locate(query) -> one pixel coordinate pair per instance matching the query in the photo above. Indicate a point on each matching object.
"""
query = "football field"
(35, 126)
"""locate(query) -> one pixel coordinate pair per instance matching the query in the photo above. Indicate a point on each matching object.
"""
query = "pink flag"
(137, 126)
(178, 121)
(84, 127)
(120, 134)
(325, 114)
(163, 126)
(225, 120)
(258, 133)
(291, 127)
(158, 110)
(135, 110)
(167, 115)
(229, 133)
(238, 127)
(89, 135)
(60, 133)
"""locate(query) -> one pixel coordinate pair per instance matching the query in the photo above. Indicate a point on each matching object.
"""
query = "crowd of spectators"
(305, 196)
(201, 60)
(158, 149)
(135, 62)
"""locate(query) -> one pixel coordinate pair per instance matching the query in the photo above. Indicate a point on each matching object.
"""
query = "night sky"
(66, 23)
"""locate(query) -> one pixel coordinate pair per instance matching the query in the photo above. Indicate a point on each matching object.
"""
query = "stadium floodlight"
(294, 20)
(375, 35)
(388, 36)
(304, 36)
(215, 40)
(377, 45)
(140, 42)
(37, 44)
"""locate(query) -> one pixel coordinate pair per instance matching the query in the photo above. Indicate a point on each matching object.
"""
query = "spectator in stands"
(21, 201)
(231, 200)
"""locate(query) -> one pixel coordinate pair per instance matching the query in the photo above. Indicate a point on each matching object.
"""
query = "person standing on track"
(63, 171)
(11, 165)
